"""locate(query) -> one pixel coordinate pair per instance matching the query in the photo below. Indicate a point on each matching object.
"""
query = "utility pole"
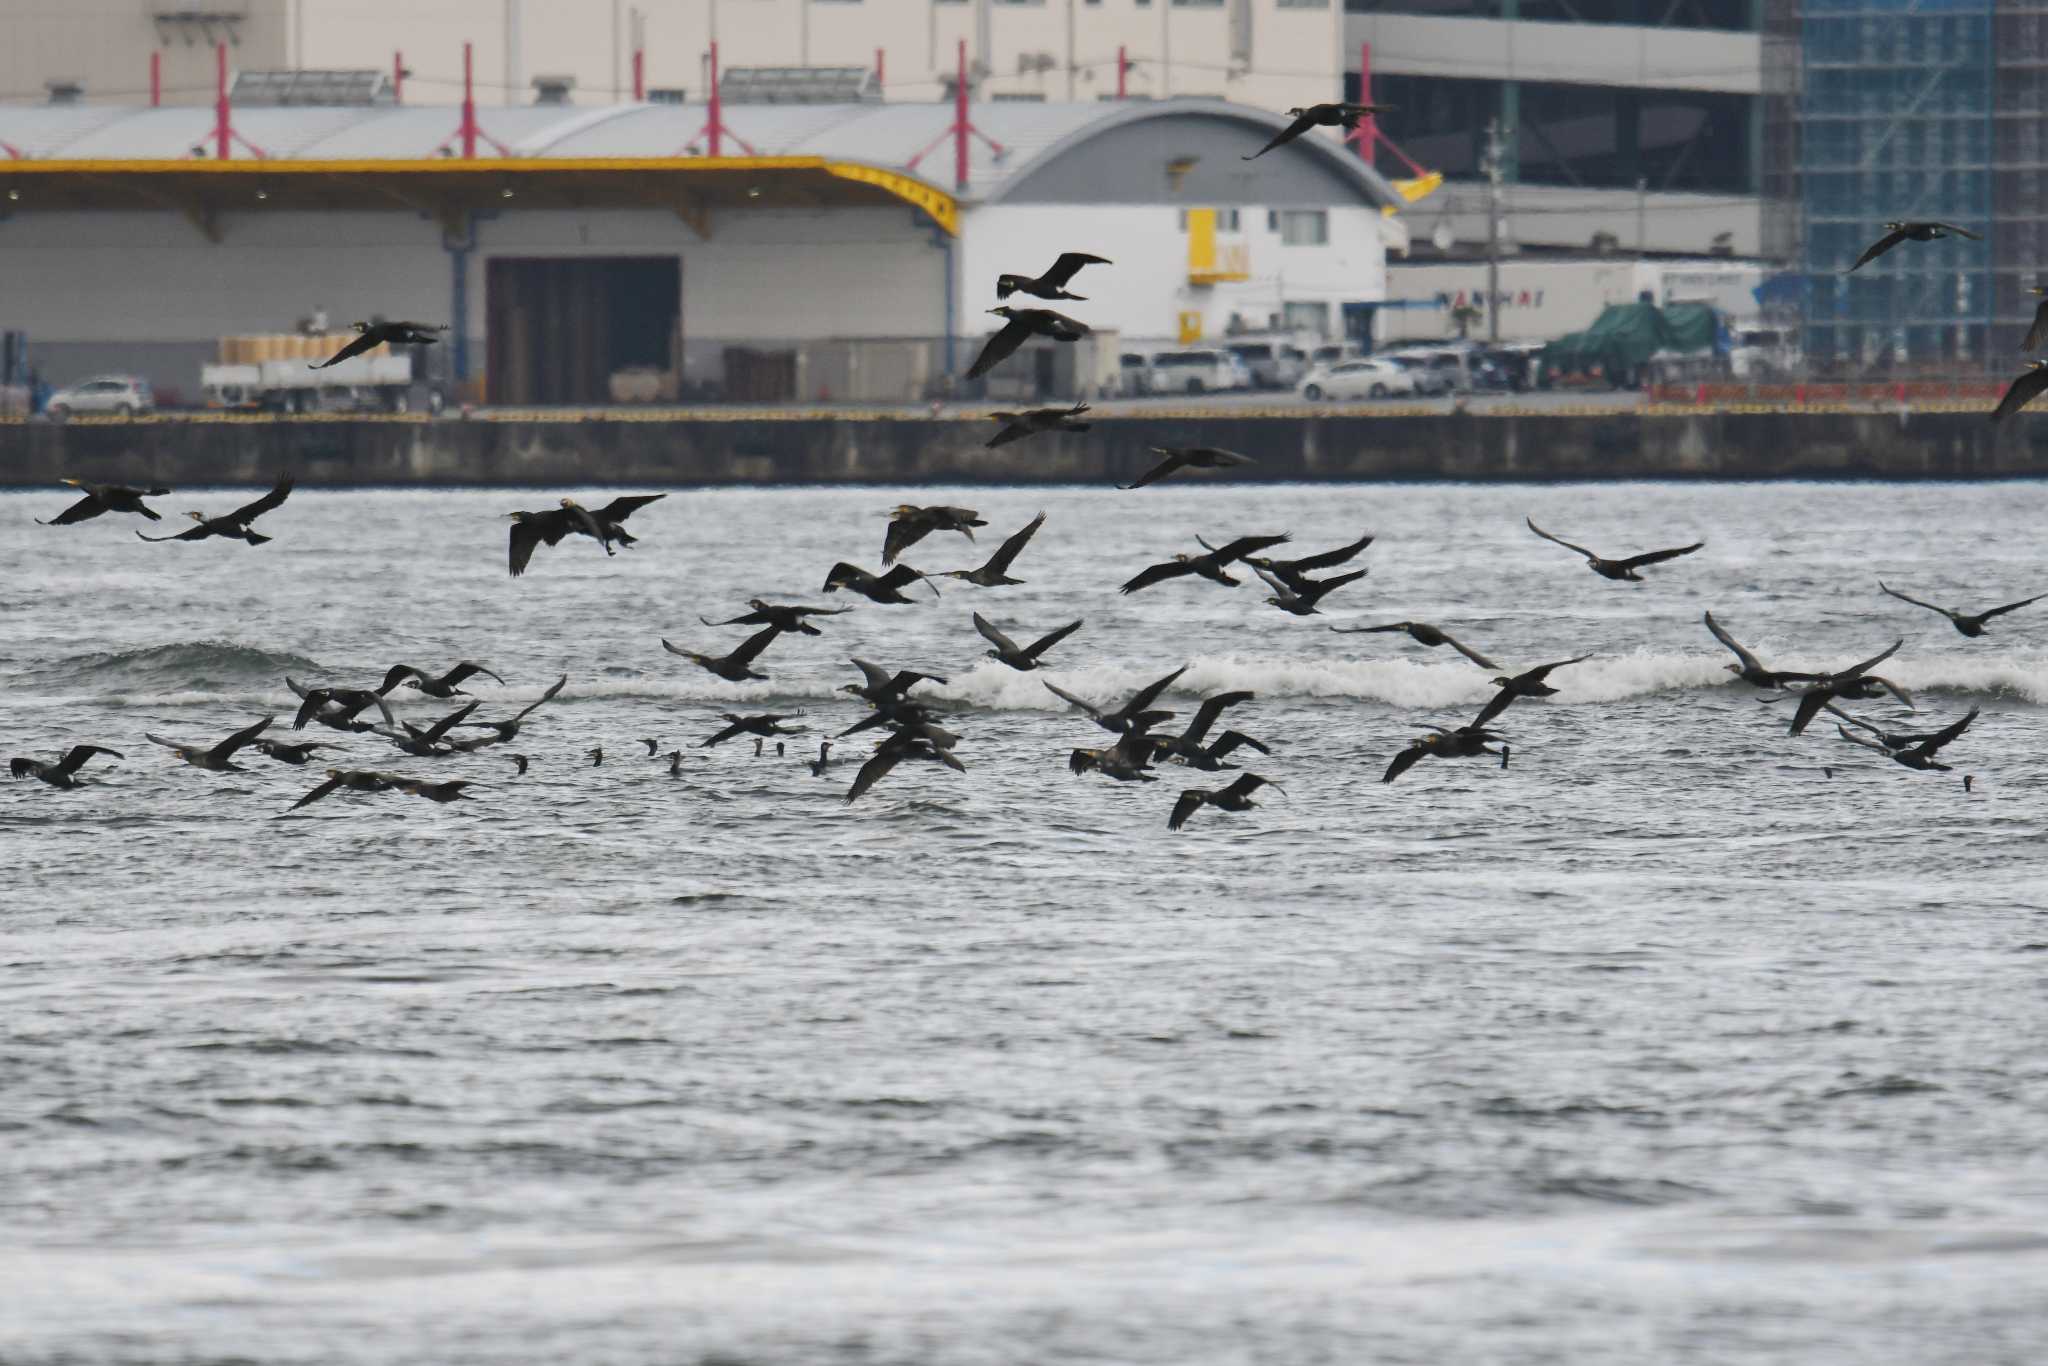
(1491, 165)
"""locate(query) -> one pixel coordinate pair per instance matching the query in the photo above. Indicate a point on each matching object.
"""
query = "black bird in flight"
(1964, 622)
(235, 525)
(1186, 458)
(286, 752)
(1529, 683)
(101, 498)
(1294, 573)
(1466, 742)
(1422, 633)
(1017, 426)
(1024, 323)
(786, 617)
(1133, 714)
(450, 791)
(1618, 569)
(335, 707)
(1126, 761)
(765, 725)
(504, 732)
(887, 589)
(2036, 334)
(1023, 658)
(996, 572)
(64, 771)
(1236, 797)
(214, 758)
(1896, 233)
(1856, 681)
(1909, 740)
(1300, 595)
(372, 335)
(1920, 754)
(354, 779)
(603, 525)
(444, 687)
(893, 751)
(734, 667)
(881, 686)
(1209, 566)
(1346, 116)
(1749, 668)
(425, 742)
(909, 524)
(2023, 390)
(1189, 748)
(1052, 284)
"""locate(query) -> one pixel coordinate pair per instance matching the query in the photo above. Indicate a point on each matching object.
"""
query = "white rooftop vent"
(277, 88)
(798, 85)
(553, 89)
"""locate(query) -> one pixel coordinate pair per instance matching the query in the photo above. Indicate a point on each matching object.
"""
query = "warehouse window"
(1304, 227)
(1314, 318)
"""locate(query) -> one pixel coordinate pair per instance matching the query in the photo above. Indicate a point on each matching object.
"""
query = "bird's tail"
(256, 538)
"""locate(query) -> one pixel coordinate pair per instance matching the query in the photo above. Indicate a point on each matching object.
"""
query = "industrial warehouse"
(751, 251)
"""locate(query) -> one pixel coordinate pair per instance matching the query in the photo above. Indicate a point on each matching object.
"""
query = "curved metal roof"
(883, 135)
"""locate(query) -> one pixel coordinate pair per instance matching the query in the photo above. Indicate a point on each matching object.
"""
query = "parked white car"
(120, 394)
(1358, 379)
(1198, 370)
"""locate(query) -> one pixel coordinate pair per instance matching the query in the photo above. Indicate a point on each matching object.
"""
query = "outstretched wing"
(2011, 607)
(1330, 557)
(2038, 333)
(525, 536)
(1245, 785)
(1481, 660)
(1174, 460)
(317, 793)
(89, 506)
(902, 535)
(902, 576)
(1854, 738)
(1403, 761)
(1211, 708)
(1158, 573)
(1188, 804)
(1015, 431)
(1057, 691)
(202, 531)
(1877, 249)
(873, 771)
(1231, 740)
(268, 502)
(1288, 134)
(1960, 231)
(1050, 639)
(468, 668)
(1858, 670)
(1149, 694)
(752, 646)
(1494, 708)
(1659, 556)
(999, 562)
(1542, 671)
(1809, 707)
(619, 509)
(1928, 746)
(1068, 265)
(1915, 601)
(547, 696)
(75, 757)
(1559, 539)
(1748, 660)
(433, 733)
(995, 637)
(1247, 545)
(998, 347)
(225, 750)
(2020, 393)
(357, 345)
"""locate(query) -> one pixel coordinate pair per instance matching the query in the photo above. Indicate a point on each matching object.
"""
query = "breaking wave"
(204, 666)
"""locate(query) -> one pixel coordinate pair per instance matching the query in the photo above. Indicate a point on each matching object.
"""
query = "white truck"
(373, 383)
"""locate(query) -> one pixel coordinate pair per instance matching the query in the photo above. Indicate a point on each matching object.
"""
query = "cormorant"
(1301, 595)
(1528, 683)
(216, 758)
(1132, 713)
(1749, 668)
(1188, 746)
(1236, 797)
(1891, 740)
(596, 756)
(1896, 233)
(1126, 761)
(766, 725)
(881, 685)
(436, 792)
(1023, 323)
(1294, 573)
(1465, 742)
(909, 524)
(1856, 681)
(101, 498)
(653, 746)
(287, 753)
(1052, 284)
(733, 667)
(1021, 658)
(1346, 116)
(1919, 755)
(2038, 333)
(63, 772)
(354, 779)
(504, 732)
(893, 751)
(786, 617)
(603, 525)
(823, 762)
(1422, 633)
(1209, 566)
(1186, 458)
(1035, 420)
(442, 687)
(372, 335)
(996, 572)
(675, 763)
(521, 760)
(2023, 390)
(235, 525)
(887, 589)
(1965, 623)
(425, 742)
(1618, 569)
(337, 708)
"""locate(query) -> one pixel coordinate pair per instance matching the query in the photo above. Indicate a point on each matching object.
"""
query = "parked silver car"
(120, 394)
(1273, 364)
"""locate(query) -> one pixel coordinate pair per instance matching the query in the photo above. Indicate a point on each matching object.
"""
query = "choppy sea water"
(1657, 1045)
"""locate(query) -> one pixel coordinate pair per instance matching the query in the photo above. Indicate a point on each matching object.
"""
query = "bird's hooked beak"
(1893, 227)
(196, 516)
(360, 327)
(1297, 112)
(2033, 289)
(1005, 311)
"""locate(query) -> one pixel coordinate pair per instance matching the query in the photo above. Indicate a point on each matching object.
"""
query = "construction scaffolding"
(1895, 122)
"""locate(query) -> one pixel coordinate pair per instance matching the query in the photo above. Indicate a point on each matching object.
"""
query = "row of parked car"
(1333, 370)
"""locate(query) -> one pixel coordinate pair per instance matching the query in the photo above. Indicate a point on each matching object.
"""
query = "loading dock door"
(558, 326)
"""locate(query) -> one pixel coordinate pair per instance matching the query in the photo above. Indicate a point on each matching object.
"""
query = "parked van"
(1198, 370)
(1274, 362)
(1134, 374)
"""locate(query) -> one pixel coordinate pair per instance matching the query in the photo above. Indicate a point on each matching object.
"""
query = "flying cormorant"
(1618, 569)
(1422, 633)
(443, 687)
(1032, 421)
(909, 524)
(215, 758)
(887, 590)
(733, 667)
(1052, 284)
(1022, 658)
(233, 526)
(372, 335)
(1964, 622)
(1024, 323)
(1186, 458)
(1529, 683)
(996, 572)
(788, 617)
(1896, 233)
(1749, 668)
(1209, 566)
(1236, 797)
(101, 498)
(62, 772)
(1345, 116)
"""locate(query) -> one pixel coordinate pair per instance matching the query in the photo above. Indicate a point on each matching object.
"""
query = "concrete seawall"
(831, 448)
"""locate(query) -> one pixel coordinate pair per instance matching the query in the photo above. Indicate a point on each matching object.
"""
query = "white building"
(1543, 299)
(580, 242)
